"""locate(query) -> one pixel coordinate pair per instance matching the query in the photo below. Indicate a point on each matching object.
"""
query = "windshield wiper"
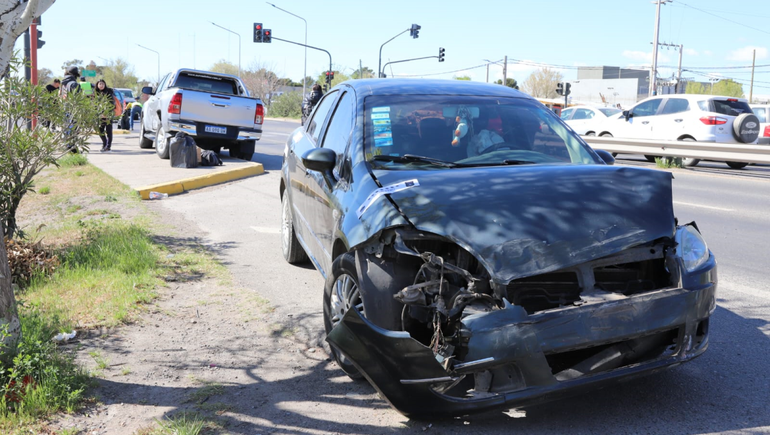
(414, 158)
(504, 162)
(518, 162)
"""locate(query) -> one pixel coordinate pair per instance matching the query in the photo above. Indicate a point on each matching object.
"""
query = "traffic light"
(267, 36)
(329, 76)
(414, 32)
(40, 42)
(566, 88)
(560, 88)
(325, 88)
(441, 54)
(257, 32)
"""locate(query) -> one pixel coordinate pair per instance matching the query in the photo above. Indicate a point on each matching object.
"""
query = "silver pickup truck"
(214, 108)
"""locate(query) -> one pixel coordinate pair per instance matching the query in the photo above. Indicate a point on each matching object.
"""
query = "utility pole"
(679, 76)
(653, 90)
(751, 89)
(487, 72)
(505, 71)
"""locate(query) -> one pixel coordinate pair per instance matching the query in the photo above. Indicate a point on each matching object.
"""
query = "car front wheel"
(687, 161)
(342, 293)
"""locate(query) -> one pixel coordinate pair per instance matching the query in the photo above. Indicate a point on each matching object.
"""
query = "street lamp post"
(150, 49)
(304, 72)
(239, 44)
(379, 64)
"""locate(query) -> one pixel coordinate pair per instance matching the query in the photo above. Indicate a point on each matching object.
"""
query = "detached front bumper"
(409, 377)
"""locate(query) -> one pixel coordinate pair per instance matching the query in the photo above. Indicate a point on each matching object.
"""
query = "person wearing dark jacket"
(310, 101)
(70, 82)
(53, 87)
(105, 127)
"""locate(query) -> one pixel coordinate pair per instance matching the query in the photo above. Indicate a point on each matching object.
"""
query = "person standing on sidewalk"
(86, 87)
(105, 127)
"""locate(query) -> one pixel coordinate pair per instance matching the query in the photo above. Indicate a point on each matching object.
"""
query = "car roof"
(401, 86)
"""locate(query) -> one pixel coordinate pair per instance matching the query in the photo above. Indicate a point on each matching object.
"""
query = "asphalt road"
(725, 391)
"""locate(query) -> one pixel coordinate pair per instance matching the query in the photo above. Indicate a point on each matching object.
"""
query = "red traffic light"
(267, 33)
(258, 26)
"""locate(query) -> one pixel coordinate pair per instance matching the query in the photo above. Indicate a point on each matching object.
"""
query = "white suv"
(763, 114)
(689, 117)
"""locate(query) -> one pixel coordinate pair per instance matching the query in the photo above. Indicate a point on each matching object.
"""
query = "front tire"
(144, 143)
(161, 143)
(342, 293)
(293, 252)
(687, 161)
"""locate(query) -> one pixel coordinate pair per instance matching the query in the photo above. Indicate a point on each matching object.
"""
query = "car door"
(152, 107)
(640, 121)
(325, 208)
(581, 120)
(302, 181)
(671, 120)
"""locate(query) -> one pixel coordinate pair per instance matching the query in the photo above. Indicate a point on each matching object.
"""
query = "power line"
(445, 72)
(723, 18)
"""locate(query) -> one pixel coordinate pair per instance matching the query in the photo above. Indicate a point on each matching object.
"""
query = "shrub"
(287, 105)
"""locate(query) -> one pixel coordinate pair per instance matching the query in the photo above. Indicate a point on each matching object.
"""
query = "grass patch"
(71, 160)
(201, 394)
(45, 190)
(184, 423)
(668, 162)
(101, 361)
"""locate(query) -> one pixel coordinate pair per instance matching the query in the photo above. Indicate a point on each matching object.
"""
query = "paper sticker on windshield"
(387, 190)
(381, 122)
(380, 115)
(381, 109)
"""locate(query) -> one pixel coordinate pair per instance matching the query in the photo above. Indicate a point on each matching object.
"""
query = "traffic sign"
(89, 73)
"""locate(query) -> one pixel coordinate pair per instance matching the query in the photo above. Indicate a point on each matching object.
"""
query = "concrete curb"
(179, 186)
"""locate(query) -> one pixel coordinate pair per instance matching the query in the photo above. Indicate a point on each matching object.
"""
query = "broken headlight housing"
(692, 247)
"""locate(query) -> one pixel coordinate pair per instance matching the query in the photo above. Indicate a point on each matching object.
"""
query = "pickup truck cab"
(214, 108)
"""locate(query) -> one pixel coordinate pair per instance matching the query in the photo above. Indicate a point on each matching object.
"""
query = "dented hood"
(526, 220)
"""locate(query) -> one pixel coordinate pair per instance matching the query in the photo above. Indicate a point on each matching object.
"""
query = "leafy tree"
(119, 74)
(365, 72)
(14, 20)
(542, 83)
(287, 105)
(510, 82)
(695, 88)
(74, 62)
(44, 76)
(222, 66)
(728, 88)
(309, 81)
(338, 78)
(462, 78)
(261, 81)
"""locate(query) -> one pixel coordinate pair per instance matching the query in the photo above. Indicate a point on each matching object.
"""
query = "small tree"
(728, 88)
(119, 74)
(510, 82)
(225, 67)
(338, 78)
(464, 78)
(542, 83)
(363, 73)
(287, 105)
(695, 88)
(44, 76)
(261, 81)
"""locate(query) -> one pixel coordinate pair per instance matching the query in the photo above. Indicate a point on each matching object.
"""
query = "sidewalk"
(144, 171)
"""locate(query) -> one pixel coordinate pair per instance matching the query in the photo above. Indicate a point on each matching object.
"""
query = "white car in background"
(687, 117)
(763, 114)
(585, 120)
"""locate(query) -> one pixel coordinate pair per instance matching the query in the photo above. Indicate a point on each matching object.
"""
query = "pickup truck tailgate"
(217, 109)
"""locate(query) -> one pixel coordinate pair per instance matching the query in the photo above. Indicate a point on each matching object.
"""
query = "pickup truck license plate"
(215, 129)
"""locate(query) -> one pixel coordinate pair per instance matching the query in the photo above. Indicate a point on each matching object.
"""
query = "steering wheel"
(497, 146)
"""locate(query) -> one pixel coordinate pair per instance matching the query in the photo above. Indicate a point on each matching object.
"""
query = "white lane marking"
(702, 206)
(266, 230)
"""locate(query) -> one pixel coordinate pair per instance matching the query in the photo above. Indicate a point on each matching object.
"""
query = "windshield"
(419, 131)
(609, 111)
(127, 93)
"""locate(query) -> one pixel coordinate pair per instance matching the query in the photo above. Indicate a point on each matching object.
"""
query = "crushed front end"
(468, 343)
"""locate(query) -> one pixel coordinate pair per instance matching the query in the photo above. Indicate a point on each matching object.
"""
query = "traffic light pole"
(379, 64)
(308, 46)
(33, 52)
(409, 60)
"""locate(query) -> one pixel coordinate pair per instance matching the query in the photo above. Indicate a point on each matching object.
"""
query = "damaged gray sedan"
(478, 254)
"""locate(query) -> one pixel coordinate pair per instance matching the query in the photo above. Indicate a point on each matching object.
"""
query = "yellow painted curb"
(179, 186)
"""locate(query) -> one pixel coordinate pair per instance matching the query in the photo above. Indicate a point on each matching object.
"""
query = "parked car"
(215, 108)
(763, 115)
(128, 94)
(586, 120)
(687, 117)
(507, 269)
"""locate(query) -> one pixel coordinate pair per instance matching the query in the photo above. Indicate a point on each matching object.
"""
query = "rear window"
(730, 107)
(609, 111)
(761, 113)
(206, 83)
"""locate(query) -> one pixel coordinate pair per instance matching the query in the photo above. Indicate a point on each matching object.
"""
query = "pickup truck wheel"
(235, 150)
(161, 143)
(293, 252)
(342, 293)
(144, 143)
(247, 150)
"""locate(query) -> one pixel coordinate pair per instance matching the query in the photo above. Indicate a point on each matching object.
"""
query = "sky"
(717, 36)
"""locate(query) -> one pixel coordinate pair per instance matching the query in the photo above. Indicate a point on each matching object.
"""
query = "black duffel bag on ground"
(183, 151)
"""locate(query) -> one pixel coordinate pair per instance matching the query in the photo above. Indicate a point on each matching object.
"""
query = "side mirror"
(320, 159)
(148, 90)
(606, 156)
(627, 114)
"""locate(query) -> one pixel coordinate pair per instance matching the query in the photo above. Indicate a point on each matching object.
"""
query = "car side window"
(583, 114)
(338, 132)
(566, 113)
(162, 83)
(324, 106)
(675, 105)
(760, 112)
(648, 108)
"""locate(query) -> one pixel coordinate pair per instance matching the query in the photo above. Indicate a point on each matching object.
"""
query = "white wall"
(588, 90)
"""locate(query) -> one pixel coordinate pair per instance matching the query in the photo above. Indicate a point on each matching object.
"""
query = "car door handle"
(678, 120)
(645, 122)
